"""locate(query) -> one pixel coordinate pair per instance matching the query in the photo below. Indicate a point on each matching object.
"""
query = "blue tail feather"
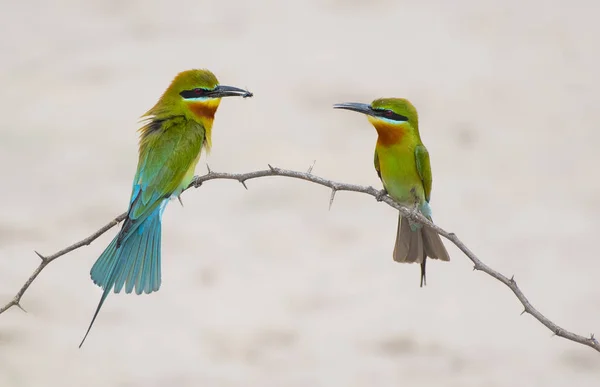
(134, 264)
(125, 257)
(104, 295)
(135, 268)
(104, 265)
(144, 278)
(155, 272)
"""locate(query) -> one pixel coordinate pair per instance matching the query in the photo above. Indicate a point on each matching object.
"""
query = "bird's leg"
(414, 214)
(415, 210)
(416, 204)
(381, 194)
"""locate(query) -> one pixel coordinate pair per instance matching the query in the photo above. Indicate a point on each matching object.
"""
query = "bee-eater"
(402, 164)
(177, 128)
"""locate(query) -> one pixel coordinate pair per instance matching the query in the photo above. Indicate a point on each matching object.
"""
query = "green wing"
(168, 149)
(166, 154)
(424, 169)
(376, 162)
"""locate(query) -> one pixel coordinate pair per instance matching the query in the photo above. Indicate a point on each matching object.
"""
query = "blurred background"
(267, 287)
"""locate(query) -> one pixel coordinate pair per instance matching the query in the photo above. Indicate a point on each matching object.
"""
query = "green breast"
(398, 168)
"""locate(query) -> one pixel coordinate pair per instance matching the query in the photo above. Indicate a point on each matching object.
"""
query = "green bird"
(177, 128)
(402, 164)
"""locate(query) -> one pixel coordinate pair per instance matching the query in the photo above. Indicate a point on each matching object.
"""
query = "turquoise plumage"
(131, 260)
(178, 128)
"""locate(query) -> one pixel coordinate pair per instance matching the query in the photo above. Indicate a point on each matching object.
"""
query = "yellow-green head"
(195, 94)
(392, 117)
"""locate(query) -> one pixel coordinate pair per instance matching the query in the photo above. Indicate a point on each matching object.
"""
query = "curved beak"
(356, 107)
(228, 91)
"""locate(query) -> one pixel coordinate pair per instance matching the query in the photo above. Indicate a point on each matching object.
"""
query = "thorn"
(208, 168)
(593, 338)
(180, 201)
(18, 305)
(523, 312)
(512, 279)
(244, 184)
(333, 191)
(311, 167)
(40, 255)
(271, 168)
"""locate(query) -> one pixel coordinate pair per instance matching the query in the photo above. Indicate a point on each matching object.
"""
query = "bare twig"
(379, 195)
(16, 301)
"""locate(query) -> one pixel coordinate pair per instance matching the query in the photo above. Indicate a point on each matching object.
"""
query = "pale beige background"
(267, 287)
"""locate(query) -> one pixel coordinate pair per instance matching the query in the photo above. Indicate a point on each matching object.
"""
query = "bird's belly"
(401, 179)
(188, 177)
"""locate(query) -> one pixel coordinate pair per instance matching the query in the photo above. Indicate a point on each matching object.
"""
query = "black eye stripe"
(194, 93)
(389, 114)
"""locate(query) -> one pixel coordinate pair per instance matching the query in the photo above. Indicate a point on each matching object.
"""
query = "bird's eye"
(391, 115)
(194, 93)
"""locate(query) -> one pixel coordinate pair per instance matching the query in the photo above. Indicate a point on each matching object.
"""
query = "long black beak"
(356, 107)
(228, 91)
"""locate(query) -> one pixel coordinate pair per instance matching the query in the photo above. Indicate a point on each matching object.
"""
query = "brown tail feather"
(415, 246)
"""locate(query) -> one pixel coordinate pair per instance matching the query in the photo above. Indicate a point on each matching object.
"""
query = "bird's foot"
(381, 194)
(413, 216)
(415, 211)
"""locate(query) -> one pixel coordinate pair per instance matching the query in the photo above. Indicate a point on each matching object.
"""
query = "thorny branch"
(335, 187)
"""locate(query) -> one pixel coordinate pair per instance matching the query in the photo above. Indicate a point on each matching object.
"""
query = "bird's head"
(392, 117)
(195, 94)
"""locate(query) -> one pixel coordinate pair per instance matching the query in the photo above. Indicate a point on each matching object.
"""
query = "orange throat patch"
(204, 113)
(389, 134)
(204, 110)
